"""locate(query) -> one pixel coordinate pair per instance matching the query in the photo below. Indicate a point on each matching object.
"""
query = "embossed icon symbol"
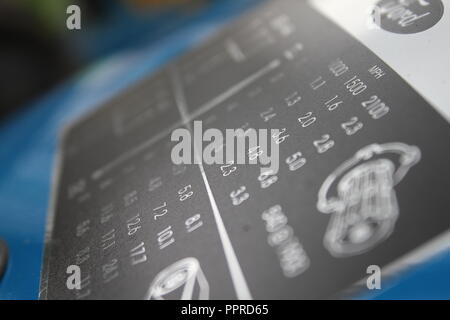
(183, 275)
(364, 205)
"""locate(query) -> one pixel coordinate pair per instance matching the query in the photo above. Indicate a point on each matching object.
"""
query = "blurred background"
(37, 50)
(51, 75)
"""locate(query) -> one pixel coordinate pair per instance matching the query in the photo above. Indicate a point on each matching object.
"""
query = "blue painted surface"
(429, 281)
(29, 143)
(29, 139)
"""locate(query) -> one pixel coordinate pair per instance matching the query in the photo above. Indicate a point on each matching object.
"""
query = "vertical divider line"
(237, 276)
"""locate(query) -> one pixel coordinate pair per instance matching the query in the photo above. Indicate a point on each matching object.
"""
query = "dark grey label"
(363, 176)
(407, 16)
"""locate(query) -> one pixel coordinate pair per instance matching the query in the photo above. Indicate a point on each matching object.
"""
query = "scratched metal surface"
(353, 144)
(29, 144)
(29, 141)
